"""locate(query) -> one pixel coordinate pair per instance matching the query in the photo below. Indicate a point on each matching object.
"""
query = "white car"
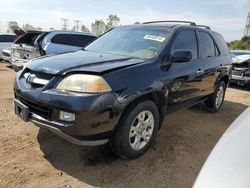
(6, 40)
(6, 54)
(228, 165)
(34, 44)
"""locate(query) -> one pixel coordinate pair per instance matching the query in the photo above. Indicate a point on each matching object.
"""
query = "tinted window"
(7, 38)
(186, 40)
(28, 38)
(73, 40)
(221, 44)
(207, 48)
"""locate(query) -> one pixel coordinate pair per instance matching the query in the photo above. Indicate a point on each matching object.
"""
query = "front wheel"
(215, 101)
(136, 130)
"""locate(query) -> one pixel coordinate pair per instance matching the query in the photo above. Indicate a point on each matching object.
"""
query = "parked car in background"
(241, 67)
(228, 164)
(119, 87)
(6, 40)
(6, 54)
(34, 44)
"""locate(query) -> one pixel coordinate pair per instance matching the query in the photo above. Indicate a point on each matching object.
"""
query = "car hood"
(240, 59)
(82, 61)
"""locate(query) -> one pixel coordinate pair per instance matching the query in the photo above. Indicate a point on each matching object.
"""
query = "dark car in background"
(118, 89)
(241, 67)
(34, 44)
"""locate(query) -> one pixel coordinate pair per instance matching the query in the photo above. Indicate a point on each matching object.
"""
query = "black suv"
(118, 88)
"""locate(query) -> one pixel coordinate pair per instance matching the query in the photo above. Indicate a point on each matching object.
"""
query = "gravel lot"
(30, 157)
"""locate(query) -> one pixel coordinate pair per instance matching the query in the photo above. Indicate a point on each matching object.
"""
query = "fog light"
(66, 116)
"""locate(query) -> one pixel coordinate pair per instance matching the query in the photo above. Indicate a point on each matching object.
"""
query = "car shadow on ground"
(174, 160)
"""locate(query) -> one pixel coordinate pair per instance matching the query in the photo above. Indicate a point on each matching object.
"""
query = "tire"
(215, 101)
(131, 128)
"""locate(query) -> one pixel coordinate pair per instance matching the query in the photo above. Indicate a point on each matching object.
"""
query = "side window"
(73, 40)
(186, 40)
(207, 48)
(7, 38)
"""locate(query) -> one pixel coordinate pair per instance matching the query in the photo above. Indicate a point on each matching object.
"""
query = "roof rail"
(177, 21)
(206, 27)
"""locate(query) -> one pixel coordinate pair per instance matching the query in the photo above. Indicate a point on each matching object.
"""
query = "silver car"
(36, 43)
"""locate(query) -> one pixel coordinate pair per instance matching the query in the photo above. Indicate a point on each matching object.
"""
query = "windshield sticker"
(155, 38)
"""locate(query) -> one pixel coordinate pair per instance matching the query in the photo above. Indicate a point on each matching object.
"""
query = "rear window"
(72, 40)
(7, 38)
(28, 38)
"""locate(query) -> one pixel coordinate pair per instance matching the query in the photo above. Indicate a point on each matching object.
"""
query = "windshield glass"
(142, 42)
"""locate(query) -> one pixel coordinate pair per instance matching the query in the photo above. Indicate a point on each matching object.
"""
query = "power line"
(247, 28)
(77, 23)
(64, 23)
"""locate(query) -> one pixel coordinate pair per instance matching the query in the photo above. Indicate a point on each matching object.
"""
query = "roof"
(172, 24)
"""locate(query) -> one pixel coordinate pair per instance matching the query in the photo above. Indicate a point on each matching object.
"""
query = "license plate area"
(21, 110)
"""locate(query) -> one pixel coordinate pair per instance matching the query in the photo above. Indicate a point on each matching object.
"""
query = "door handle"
(200, 71)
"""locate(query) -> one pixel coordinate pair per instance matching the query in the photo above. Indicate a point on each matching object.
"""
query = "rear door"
(185, 78)
(209, 57)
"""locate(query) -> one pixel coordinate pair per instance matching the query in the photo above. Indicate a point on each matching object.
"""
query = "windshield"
(141, 42)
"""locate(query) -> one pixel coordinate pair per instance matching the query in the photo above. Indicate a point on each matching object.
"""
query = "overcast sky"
(225, 16)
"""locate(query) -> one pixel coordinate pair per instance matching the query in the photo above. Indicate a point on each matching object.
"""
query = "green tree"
(12, 26)
(243, 44)
(28, 27)
(98, 27)
(85, 29)
(112, 21)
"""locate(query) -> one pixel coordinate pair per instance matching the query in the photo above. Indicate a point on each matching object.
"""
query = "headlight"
(84, 83)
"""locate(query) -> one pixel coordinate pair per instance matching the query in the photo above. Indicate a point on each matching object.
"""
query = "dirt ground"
(31, 157)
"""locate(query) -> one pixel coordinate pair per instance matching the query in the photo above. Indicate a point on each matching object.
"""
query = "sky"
(227, 17)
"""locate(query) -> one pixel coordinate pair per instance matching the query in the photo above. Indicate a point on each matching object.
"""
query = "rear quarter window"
(222, 45)
(7, 38)
(72, 40)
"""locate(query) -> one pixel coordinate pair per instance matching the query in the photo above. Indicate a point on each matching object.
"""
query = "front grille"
(34, 107)
(41, 79)
(6, 54)
(236, 73)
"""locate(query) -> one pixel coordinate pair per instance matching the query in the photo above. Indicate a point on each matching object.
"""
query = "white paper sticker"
(154, 37)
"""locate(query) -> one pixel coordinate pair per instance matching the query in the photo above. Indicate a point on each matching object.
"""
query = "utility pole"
(247, 28)
(77, 23)
(64, 23)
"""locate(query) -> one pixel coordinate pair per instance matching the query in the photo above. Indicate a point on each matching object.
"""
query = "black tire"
(210, 103)
(120, 142)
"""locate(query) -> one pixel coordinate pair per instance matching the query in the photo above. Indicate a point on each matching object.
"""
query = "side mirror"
(181, 56)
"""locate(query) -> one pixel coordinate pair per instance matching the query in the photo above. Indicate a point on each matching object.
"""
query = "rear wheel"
(215, 101)
(136, 130)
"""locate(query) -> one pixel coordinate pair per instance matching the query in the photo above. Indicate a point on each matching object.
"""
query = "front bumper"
(17, 65)
(96, 116)
(43, 123)
(240, 80)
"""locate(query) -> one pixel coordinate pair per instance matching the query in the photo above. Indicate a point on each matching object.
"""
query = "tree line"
(243, 44)
(98, 27)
